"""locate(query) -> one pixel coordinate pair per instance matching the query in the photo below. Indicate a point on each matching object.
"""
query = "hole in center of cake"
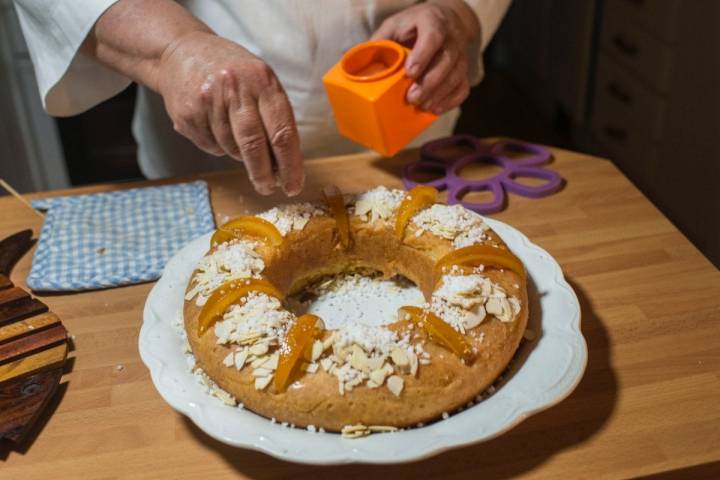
(356, 297)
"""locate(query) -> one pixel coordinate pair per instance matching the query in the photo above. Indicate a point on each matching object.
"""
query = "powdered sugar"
(354, 298)
(292, 216)
(378, 203)
(370, 338)
(233, 260)
(258, 316)
(453, 222)
(464, 290)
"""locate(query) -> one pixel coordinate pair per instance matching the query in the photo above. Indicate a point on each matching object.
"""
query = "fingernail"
(413, 95)
(291, 189)
(412, 70)
(264, 189)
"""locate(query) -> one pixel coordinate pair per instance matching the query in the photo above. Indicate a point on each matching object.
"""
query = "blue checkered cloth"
(117, 238)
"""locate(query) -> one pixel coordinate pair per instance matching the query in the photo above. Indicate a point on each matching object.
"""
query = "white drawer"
(620, 96)
(647, 56)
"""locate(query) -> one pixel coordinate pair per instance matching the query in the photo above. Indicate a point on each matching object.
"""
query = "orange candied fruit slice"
(228, 294)
(336, 203)
(298, 341)
(250, 226)
(441, 332)
(475, 255)
(418, 198)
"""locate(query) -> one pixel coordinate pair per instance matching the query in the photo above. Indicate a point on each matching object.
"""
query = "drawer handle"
(617, 91)
(637, 3)
(625, 46)
(615, 133)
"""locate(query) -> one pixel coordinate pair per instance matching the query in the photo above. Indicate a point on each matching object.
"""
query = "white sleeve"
(490, 13)
(69, 82)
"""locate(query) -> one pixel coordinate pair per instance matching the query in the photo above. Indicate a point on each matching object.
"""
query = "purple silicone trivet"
(433, 161)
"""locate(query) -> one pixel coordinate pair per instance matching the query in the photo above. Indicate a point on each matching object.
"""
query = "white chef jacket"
(299, 39)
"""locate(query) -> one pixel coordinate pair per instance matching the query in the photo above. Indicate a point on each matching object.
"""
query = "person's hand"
(439, 32)
(229, 102)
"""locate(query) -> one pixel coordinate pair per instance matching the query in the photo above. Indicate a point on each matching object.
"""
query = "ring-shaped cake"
(290, 368)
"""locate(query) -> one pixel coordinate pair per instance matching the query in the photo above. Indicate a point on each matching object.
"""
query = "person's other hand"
(439, 32)
(229, 102)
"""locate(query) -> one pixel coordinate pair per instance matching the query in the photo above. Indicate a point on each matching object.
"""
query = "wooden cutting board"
(33, 348)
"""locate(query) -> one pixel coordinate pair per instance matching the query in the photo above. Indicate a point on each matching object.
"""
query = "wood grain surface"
(26, 344)
(23, 399)
(22, 327)
(12, 248)
(16, 303)
(41, 360)
(649, 401)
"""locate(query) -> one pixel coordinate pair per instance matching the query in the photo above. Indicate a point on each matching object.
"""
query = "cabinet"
(655, 107)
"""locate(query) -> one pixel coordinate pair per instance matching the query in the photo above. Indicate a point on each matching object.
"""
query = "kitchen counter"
(649, 401)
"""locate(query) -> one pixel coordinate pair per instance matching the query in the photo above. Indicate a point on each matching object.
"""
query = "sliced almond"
(240, 358)
(311, 367)
(272, 361)
(413, 364)
(494, 306)
(259, 349)
(262, 382)
(354, 431)
(375, 362)
(399, 357)
(378, 376)
(516, 306)
(317, 350)
(229, 359)
(257, 362)
(328, 342)
(395, 384)
(359, 360)
(226, 398)
(248, 338)
(326, 364)
(507, 314)
(474, 317)
(261, 372)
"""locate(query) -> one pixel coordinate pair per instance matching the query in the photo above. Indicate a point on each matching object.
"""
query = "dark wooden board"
(28, 326)
(42, 360)
(23, 399)
(15, 303)
(33, 348)
(12, 248)
(27, 344)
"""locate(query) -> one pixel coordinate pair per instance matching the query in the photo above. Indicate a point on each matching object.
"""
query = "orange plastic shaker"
(367, 89)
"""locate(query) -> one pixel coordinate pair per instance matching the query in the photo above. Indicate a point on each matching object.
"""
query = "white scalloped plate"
(543, 373)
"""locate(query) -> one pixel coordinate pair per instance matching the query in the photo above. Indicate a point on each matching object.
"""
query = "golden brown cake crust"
(442, 386)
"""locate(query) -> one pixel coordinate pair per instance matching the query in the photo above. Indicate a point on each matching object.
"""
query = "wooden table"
(649, 401)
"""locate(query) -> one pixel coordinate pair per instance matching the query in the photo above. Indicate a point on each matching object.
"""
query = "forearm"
(466, 15)
(133, 36)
